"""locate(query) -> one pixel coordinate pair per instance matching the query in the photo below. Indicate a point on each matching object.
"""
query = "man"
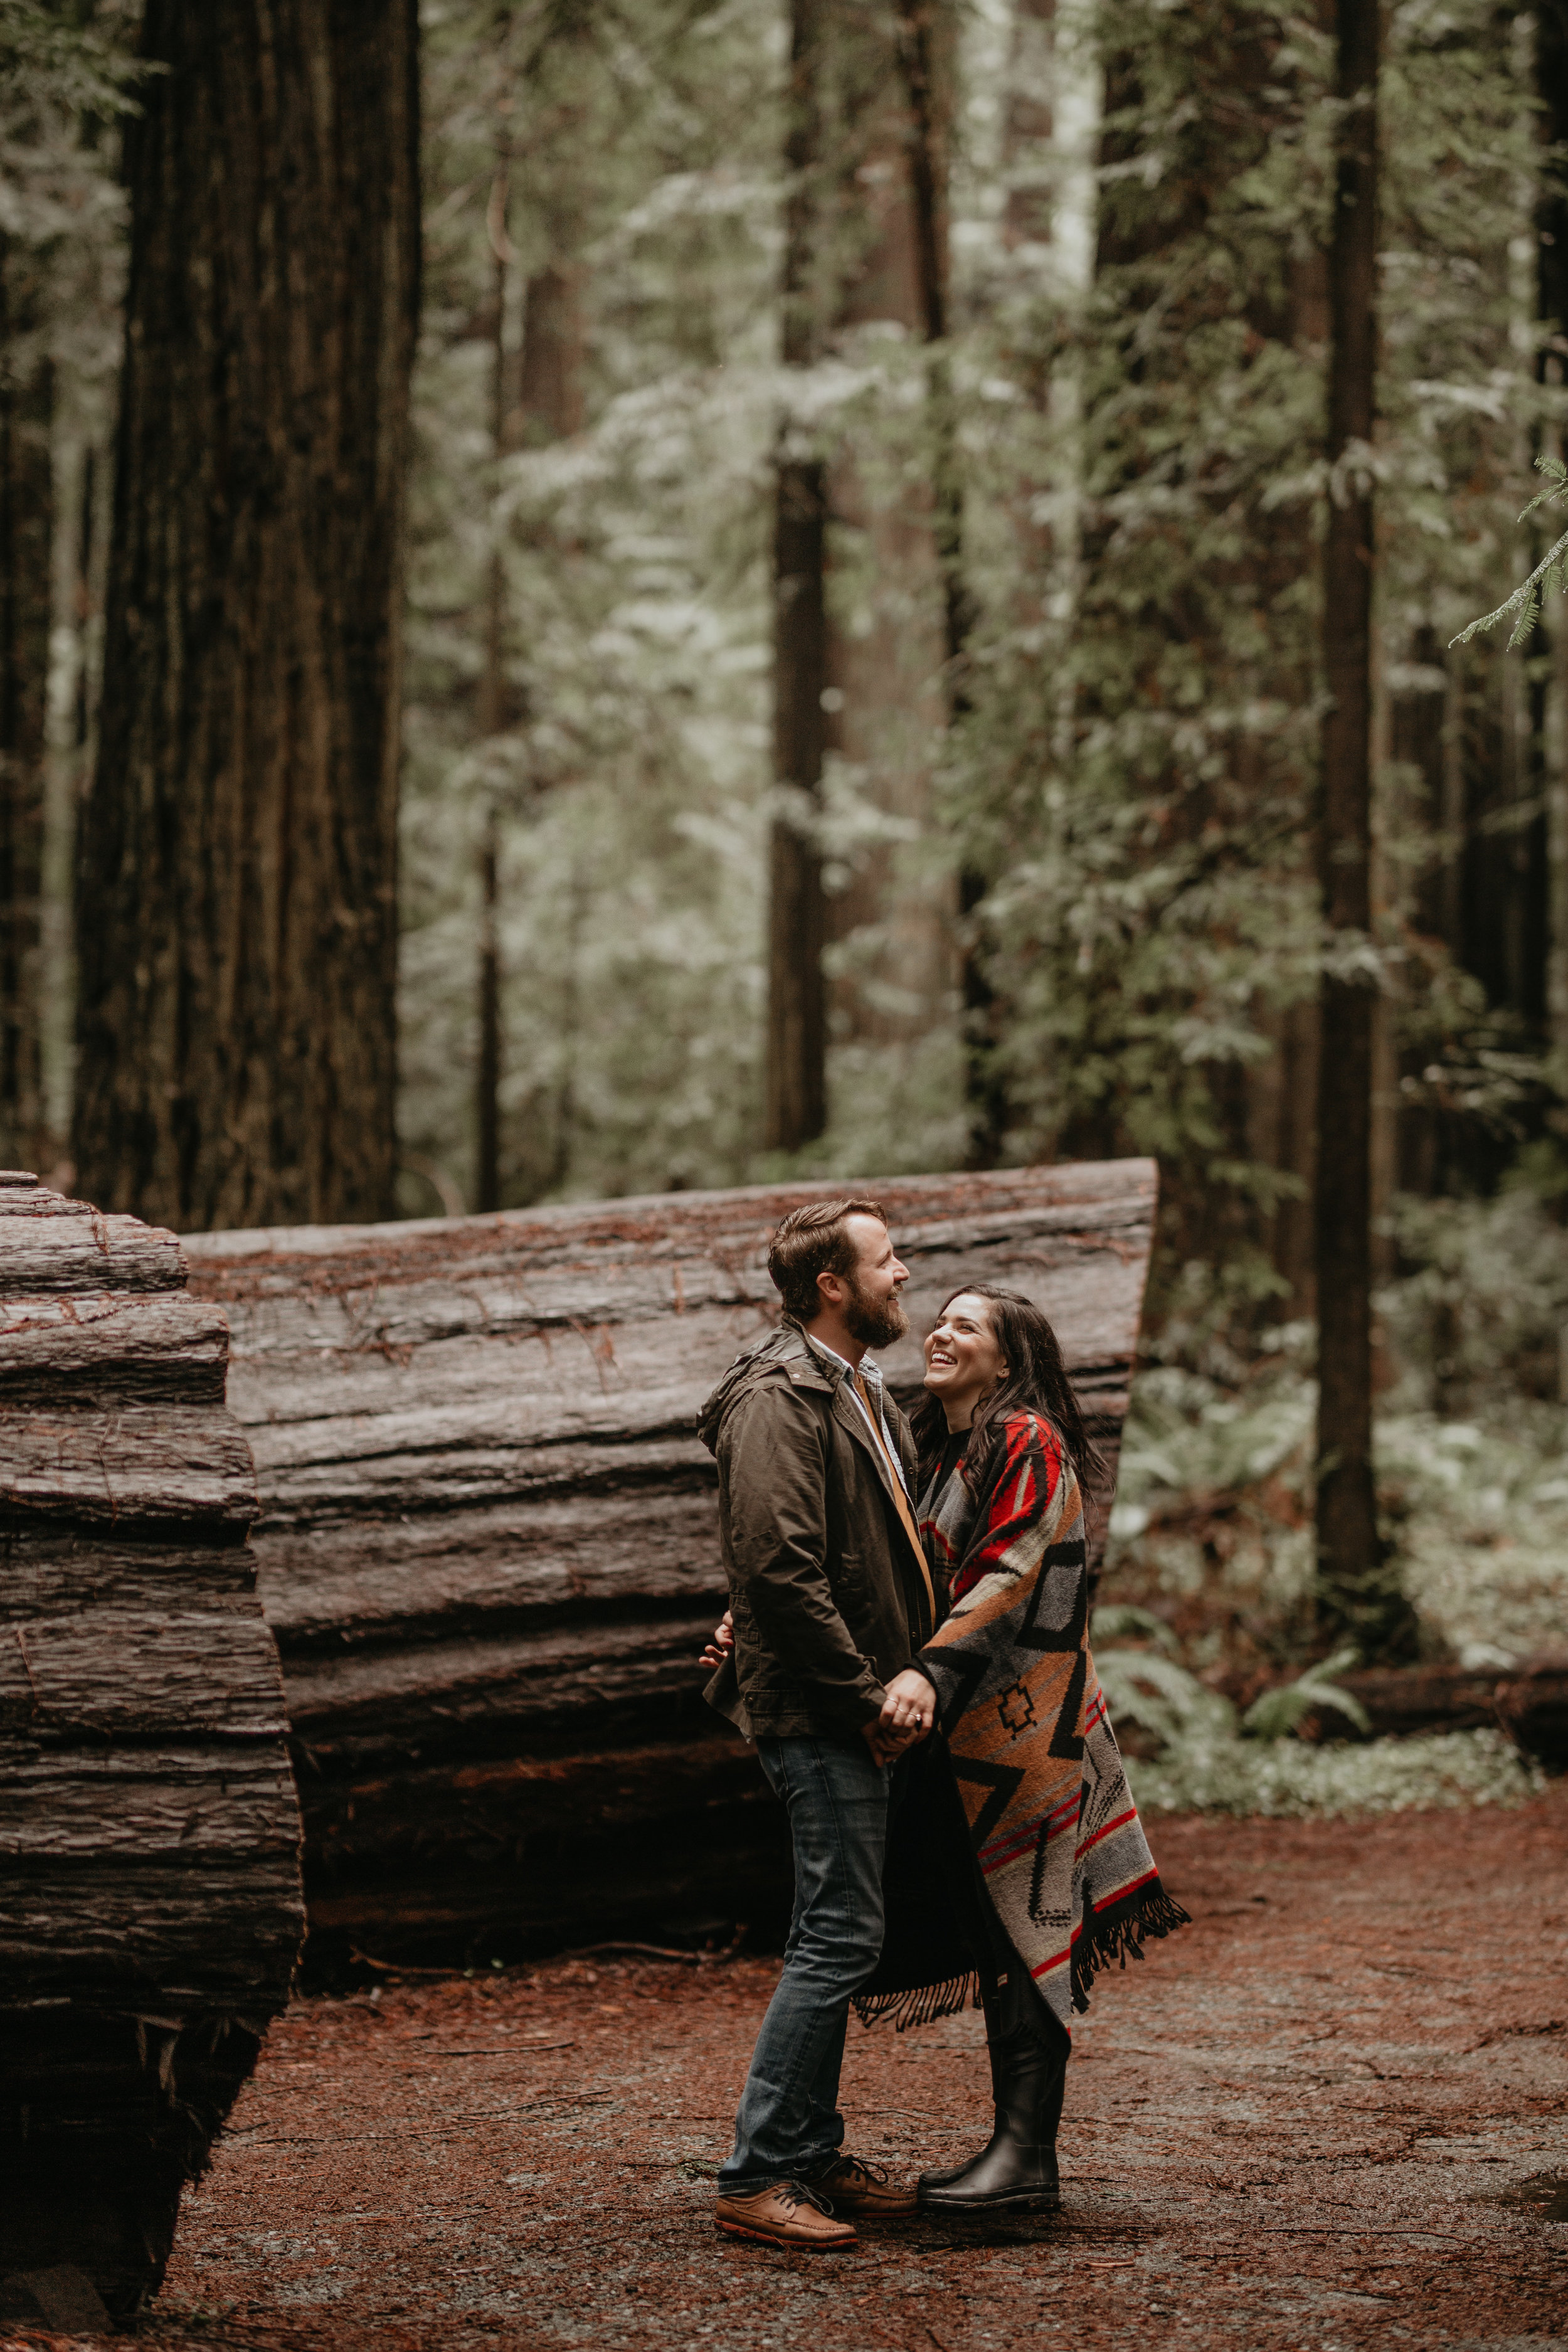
(830, 1602)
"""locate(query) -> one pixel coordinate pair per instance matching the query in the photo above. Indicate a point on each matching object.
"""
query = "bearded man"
(831, 1600)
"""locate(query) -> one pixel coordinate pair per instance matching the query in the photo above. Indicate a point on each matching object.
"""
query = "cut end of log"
(149, 1827)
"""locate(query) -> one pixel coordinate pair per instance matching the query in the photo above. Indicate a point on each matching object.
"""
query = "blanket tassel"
(1106, 1942)
(920, 2006)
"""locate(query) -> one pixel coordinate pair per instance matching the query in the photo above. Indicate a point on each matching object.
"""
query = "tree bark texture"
(490, 1549)
(237, 878)
(487, 1106)
(890, 570)
(150, 1900)
(795, 1073)
(492, 718)
(926, 41)
(26, 523)
(550, 399)
(1551, 251)
(1348, 1554)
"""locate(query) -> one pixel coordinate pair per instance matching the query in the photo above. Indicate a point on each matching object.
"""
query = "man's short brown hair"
(812, 1240)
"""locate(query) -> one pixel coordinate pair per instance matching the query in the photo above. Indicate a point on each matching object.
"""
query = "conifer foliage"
(935, 592)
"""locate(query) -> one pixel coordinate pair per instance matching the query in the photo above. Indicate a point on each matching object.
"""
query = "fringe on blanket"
(1111, 1935)
(923, 2005)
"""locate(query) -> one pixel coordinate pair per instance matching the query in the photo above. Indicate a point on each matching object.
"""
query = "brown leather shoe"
(864, 2190)
(788, 2214)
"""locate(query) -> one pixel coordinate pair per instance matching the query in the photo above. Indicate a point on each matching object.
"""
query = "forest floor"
(1332, 2113)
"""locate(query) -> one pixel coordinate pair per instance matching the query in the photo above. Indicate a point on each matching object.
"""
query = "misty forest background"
(755, 567)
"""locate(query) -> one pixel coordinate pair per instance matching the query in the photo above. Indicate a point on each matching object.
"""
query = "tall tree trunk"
(237, 881)
(1551, 251)
(492, 718)
(1348, 1554)
(887, 627)
(551, 398)
(27, 521)
(796, 1082)
(927, 36)
(487, 1177)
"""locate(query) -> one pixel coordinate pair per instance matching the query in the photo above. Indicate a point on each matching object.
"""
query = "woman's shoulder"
(1026, 1432)
(1030, 1445)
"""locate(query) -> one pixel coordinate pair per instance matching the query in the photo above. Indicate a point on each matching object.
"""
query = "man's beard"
(874, 1322)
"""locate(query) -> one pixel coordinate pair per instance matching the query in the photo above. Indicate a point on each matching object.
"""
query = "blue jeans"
(789, 2126)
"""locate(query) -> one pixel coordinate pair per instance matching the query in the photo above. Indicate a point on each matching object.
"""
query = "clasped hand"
(908, 1702)
(909, 1711)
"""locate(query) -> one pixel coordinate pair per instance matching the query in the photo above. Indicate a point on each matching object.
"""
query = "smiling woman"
(964, 1358)
(1020, 1813)
(990, 1354)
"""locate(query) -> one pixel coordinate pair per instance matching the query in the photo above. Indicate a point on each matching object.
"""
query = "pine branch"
(1525, 599)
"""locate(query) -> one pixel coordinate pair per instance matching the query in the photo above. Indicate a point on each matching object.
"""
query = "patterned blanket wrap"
(1051, 1821)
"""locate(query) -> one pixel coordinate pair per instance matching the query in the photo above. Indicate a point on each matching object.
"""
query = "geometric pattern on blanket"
(1052, 1823)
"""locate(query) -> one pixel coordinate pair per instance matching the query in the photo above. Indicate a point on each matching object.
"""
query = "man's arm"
(775, 1467)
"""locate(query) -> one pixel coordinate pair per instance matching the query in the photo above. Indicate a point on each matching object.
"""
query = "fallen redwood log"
(150, 1898)
(1532, 1703)
(1529, 1701)
(490, 1548)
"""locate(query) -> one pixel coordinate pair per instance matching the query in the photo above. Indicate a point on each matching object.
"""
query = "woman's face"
(963, 1359)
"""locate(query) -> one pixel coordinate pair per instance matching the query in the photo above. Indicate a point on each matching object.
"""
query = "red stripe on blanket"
(1015, 1841)
(1119, 1824)
(1060, 1961)
(1122, 1893)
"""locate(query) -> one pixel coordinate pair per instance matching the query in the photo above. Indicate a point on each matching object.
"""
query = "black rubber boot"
(1018, 2172)
(994, 2034)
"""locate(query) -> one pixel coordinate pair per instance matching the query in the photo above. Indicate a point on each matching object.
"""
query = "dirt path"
(1301, 2123)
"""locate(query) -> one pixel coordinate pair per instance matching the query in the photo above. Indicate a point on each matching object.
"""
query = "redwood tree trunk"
(238, 879)
(1346, 1516)
(927, 36)
(493, 716)
(795, 1097)
(1551, 364)
(27, 514)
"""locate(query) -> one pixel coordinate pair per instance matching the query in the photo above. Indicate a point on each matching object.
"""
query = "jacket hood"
(785, 1350)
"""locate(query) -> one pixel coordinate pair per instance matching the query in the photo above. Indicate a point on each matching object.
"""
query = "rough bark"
(926, 54)
(1029, 125)
(1551, 251)
(1351, 1589)
(491, 1553)
(487, 1106)
(149, 1904)
(551, 398)
(795, 1080)
(796, 1077)
(27, 520)
(236, 893)
(51, 1246)
(492, 718)
(887, 609)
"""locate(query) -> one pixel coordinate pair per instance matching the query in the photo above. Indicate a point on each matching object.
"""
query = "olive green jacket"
(828, 1597)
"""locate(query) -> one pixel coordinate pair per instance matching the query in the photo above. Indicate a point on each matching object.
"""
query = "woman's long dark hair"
(1036, 1381)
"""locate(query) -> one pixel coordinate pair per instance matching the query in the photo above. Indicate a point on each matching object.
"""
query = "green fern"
(1283, 1710)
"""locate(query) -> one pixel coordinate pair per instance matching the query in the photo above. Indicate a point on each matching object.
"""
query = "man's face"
(872, 1313)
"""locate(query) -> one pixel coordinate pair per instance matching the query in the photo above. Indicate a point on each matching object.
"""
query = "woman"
(1021, 1810)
